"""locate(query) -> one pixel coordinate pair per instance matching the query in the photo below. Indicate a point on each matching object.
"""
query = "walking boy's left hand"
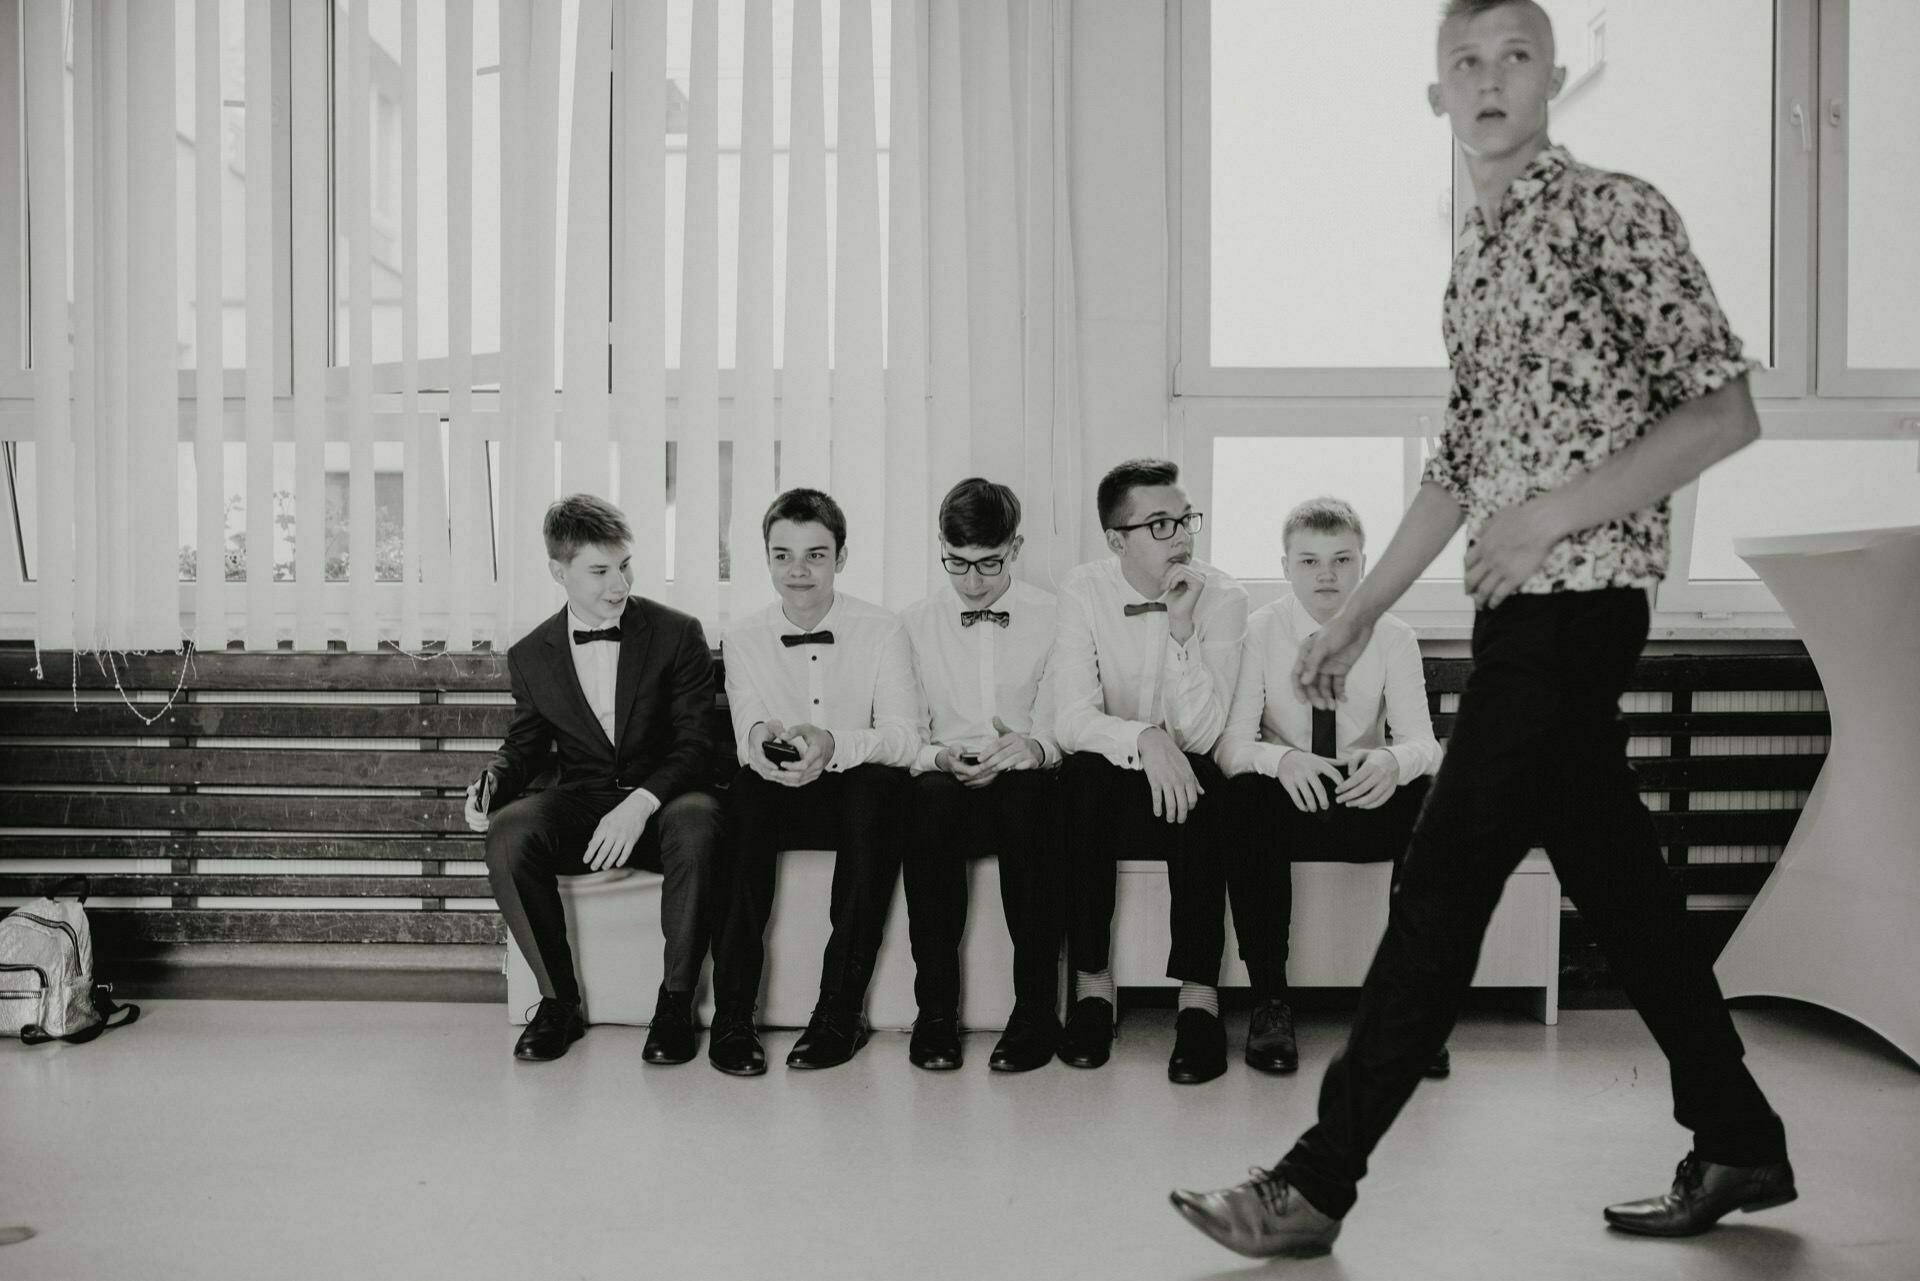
(1510, 550)
(1375, 778)
(619, 831)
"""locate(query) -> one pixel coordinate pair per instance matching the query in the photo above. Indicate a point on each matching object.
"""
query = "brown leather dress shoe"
(1702, 1192)
(671, 1037)
(1263, 1218)
(555, 1025)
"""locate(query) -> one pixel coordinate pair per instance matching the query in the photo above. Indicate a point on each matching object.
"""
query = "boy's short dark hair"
(979, 513)
(581, 520)
(1135, 473)
(1323, 516)
(806, 506)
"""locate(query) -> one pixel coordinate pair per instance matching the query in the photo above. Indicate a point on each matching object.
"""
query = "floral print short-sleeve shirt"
(1572, 330)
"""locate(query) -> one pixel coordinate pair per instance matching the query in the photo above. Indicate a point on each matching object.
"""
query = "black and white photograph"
(960, 640)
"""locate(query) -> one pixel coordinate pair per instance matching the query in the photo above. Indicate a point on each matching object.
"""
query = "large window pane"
(1883, 186)
(1331, 186)
(1258, 480)
(1800, 487)
(1638, 100)
(1331, 228)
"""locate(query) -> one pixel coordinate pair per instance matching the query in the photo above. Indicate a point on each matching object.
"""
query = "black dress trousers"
(1109, 815)
(1271, 834)
(542, 836)
(1538, 755)
(856, 813)
(1016, 818)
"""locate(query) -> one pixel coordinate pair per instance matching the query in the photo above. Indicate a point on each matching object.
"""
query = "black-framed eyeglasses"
(1162, 529)
(989, 566)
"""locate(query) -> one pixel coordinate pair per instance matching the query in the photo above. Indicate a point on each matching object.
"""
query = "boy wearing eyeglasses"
(1145, 659)
(983, 782)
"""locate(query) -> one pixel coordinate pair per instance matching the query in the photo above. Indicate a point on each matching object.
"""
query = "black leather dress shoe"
(1270, 1042)
(832, 1037)
(671, 1037)
(553, 1027)
(1199, 1048)
(1087, 1040)
(1028, 1042)
(733, 1046)
(1703, 1192)
(936, 1043)
(1441, 1064)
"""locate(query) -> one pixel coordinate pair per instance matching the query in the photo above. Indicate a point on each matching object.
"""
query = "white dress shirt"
(597, 663)
(1385, 706)
(1116, 675)
(969, 675)
(860, 688)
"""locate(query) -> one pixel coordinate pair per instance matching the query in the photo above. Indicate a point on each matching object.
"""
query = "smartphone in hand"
(968, 758)
(483, 792)
(778, 752)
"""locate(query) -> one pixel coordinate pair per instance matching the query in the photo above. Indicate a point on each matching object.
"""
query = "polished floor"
(335, 1139)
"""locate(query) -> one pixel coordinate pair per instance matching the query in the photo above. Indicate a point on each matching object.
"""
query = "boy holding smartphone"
(983, 782)
(826, 717)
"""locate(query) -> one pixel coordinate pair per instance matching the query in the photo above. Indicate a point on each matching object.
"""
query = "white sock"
(1200, 996)
(1097, 983)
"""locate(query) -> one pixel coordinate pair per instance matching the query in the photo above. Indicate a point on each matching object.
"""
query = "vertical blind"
(879, 224)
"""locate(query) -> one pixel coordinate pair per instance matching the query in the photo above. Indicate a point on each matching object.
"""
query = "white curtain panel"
(927, 304)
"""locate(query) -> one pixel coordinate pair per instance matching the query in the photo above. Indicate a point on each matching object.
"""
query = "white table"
(1838, 923)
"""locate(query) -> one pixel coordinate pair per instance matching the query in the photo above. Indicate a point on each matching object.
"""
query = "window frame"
(1798, 397)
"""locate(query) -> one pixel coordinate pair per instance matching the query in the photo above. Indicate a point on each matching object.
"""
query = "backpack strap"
(78, 878)
(34, 1034)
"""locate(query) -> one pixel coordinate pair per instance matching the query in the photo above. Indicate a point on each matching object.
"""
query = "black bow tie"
(605, 633)
(806, 638)
(998, 617)
(1151, 607)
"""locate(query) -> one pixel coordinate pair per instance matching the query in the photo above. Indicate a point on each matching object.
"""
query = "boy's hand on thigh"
(619, 830)
(1375, 778)
(1170, 777)
(1302, 774)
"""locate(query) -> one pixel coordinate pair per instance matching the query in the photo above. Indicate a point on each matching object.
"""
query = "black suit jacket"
(663, 709)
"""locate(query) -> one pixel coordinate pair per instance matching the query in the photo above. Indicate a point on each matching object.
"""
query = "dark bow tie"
(605, 633)
(806, 638)
(1151, 607)
(998, 617)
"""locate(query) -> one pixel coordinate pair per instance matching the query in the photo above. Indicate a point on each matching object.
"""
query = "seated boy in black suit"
(623, 688)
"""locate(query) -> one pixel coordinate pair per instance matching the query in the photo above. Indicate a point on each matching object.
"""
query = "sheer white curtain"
(906, 319)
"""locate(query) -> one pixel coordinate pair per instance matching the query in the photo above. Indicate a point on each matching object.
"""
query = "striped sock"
(1097, 983)
(1200, 996)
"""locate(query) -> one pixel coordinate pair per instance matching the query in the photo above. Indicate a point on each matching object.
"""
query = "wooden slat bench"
(1726, 746)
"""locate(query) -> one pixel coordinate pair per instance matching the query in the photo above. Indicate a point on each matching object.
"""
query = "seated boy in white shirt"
(826, 719)
(982, 783)
(1311, 784)
(1144, 665)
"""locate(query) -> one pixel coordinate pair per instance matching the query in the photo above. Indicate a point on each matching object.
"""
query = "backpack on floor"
(47, 991)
